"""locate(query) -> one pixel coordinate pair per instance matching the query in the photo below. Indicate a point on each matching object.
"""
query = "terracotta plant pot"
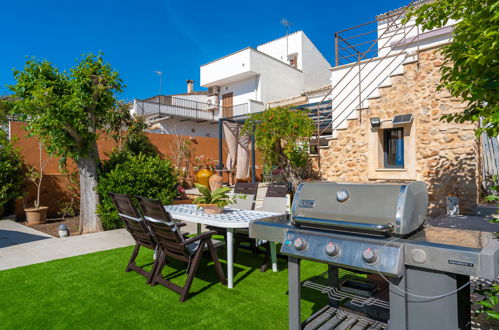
(203, 177)
(36, 216)
(211, 208)
(216, 181)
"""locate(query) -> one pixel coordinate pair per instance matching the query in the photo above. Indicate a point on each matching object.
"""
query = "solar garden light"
(63, 230)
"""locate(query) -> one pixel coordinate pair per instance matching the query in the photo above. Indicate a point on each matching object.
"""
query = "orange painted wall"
(54, 191)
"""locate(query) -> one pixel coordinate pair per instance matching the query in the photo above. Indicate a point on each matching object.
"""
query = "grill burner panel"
(362, 253)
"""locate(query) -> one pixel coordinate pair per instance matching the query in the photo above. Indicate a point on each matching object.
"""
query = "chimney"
(190, 86)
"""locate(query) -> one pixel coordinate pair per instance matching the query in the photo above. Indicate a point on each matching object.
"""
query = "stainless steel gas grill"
(418, 278)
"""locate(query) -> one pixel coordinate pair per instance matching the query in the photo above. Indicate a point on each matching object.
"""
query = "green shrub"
(11, 173)
(142, 175)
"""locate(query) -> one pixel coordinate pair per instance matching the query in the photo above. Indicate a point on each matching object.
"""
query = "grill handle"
(346, 224)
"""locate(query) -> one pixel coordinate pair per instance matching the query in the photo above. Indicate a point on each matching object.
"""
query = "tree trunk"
(291, 175)
(89, 199)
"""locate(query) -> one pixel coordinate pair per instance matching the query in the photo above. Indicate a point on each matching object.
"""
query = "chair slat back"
(275, 190)
(275, 199)
(133, 220)
(248, 189)
(163, 227)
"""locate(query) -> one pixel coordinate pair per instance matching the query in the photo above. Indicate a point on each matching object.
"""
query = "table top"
(229, 218)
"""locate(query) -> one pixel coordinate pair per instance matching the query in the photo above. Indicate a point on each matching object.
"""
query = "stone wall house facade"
(444, 155)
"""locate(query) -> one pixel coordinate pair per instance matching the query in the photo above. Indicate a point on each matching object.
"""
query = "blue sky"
(175, 37)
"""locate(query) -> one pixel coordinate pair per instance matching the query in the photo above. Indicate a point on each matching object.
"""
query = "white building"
(247, 80)
(243, 82)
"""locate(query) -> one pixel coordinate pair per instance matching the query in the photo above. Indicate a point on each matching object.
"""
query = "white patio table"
(230, 219)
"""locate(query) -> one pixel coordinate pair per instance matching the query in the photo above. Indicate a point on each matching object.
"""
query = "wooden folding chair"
(139, 230)
(172, 244)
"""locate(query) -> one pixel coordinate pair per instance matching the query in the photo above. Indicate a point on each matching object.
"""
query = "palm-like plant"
(220, 197)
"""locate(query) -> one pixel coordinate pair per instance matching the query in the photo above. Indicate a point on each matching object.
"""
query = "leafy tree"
(141, 175)
(281, 136)
(471, 69)
(66, 110)
(6, 105)
(11, 173)
(471, 72)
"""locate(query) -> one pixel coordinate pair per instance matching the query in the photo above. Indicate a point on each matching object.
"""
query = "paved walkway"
(21, 245)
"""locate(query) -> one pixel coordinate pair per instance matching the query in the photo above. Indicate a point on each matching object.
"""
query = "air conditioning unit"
(212, 100)
(214, 90)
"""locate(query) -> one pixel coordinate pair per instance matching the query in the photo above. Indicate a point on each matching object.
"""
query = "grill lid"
(399, 208)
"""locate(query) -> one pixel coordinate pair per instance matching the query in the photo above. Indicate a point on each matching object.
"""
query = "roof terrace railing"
(358, 45)
(176, 107)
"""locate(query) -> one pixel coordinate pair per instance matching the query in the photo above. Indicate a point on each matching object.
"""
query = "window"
(393, 147)
(293, 60)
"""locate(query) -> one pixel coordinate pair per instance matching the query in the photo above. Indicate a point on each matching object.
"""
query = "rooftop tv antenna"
(160, 74)
(287, 24)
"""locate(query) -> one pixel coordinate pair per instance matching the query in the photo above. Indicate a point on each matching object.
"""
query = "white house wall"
(399, 31)
(279, 81)
(189, 128)
(278, 49)
(242, 90)
(315, 66)
(227, 69)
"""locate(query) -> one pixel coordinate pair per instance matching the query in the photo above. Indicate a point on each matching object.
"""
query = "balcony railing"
(251, 106)
(176, 107)
(166, 106)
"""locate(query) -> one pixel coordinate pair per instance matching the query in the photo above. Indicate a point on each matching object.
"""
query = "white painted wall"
(243, 90)
(227, 69)
(314, 65)
(398, 31)
(189, 128)
(282, 47)
(278, 80)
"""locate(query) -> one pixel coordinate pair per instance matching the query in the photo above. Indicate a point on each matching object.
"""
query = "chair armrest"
(205, 235)
(180, 224)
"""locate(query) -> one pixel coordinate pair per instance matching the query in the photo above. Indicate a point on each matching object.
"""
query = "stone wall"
(444, 155)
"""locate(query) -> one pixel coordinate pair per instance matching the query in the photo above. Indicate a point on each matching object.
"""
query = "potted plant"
(37, 214)
(213, 202)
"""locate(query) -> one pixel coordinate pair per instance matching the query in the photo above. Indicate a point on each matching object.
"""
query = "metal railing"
(234, 110)
(176, 107)
(361, 50)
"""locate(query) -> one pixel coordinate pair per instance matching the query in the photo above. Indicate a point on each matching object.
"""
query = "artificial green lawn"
(93, 291)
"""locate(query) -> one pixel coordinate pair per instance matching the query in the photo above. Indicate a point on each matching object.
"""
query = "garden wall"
(54, 188)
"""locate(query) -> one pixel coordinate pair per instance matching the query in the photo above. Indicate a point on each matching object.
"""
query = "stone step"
(485, 210)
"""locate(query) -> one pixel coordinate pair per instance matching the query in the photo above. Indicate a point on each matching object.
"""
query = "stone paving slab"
(21, 245)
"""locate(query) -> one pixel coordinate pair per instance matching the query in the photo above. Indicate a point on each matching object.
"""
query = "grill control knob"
(300, 244)
(369, 256)
(332, 249)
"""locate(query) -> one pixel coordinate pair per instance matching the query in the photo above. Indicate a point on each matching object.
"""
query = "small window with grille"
(393, 147)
